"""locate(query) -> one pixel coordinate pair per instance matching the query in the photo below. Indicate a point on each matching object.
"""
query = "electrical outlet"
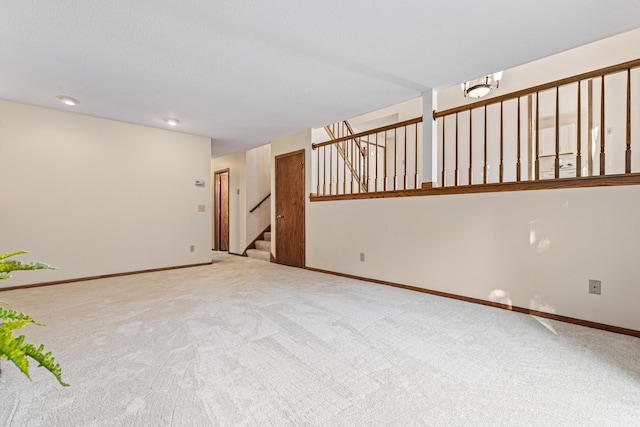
(192, 248)
(361, 256)
(595, 286)
(200, 208)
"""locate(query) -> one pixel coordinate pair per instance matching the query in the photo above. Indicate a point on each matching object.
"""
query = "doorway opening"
(221, 210)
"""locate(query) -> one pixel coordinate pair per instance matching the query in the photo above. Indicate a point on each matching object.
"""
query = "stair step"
(258, 254)
(267, 236)
(263, 245)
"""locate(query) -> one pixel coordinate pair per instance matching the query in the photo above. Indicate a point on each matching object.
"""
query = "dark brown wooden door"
(290, 209)
(221, 196)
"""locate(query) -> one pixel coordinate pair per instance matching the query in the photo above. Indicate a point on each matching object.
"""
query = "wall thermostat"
(199, 182)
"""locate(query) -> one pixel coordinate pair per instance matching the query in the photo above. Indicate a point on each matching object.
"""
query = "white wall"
(404, 111)
(532, 249)
(94, 196)
(287, 144)
(236, 163)
(396, 113)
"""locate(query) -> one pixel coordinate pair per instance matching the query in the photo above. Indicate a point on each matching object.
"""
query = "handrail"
(369, 132)
(351, 132)
(261, 202)
(539, 88)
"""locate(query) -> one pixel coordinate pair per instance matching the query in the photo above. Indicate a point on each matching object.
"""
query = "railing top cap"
(370, 132)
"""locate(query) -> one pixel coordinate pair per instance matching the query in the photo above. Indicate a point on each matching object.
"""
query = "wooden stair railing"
(555, 140)
(347, 160)
(359, 141)
(380, 160)
(360, 144)
(260, 203)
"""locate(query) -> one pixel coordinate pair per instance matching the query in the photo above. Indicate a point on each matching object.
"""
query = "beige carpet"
(243, 342)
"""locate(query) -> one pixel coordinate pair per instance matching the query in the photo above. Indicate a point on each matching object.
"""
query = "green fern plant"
(16, 349)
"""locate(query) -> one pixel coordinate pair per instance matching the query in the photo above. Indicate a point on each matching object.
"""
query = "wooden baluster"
(557, 160)
(579, 134)
(501, 143)
(395, 159)
(359, 169)
(363, 165)
(385, 161)
(331, 169)
(324, 166)
(470, 147)
(416, 159)
(627, 163)
(486, 167)
(365, 160)
(518, 166)
(455, 178)
(444, 134)
(529, 137)
(318, 182)
(353, 164)
(356, 163)
(405, 158)
(590, 141)
(339, 135)
(602, 130)
(405, 142)
(368, 151)
(377, 148)
(537, 163)
(344, 167)
(355, 176)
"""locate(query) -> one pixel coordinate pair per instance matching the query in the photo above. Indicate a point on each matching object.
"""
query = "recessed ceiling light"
(68, 100)
(172, 122)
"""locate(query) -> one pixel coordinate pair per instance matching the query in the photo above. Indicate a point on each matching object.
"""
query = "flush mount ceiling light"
(481, 87)
(171, 122)
(67, 100)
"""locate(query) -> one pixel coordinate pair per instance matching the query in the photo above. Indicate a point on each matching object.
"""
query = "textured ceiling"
(246, 72)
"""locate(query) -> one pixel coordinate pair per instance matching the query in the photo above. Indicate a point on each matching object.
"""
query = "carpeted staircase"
(263, 248)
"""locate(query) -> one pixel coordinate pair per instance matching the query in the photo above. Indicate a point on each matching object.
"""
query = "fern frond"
(14, 315)
(10, 254)
(14, 350)
(46, 361)
(12, 325)
(11, 265)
